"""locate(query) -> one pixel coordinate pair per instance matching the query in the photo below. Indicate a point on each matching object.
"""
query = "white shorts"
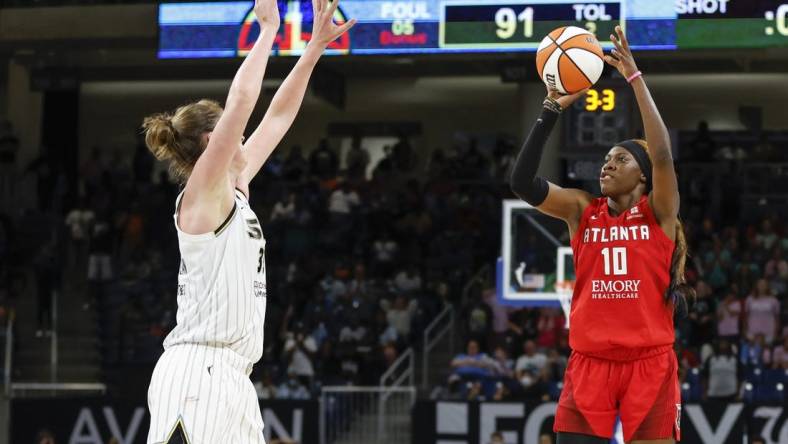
(206, 392)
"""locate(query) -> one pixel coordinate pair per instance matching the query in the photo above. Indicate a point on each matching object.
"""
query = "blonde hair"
(679, 292)
(178, 137)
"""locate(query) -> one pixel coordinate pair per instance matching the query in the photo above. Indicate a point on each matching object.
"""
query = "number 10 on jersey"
(619, 260)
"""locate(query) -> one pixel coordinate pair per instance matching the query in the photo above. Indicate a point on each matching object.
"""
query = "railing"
(444, 321)
(52, 389)
(53, 355)
(364, 415)
(400, 371)
(9, 350)
(477, 278)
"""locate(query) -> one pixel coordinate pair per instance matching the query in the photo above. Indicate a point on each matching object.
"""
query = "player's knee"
(577, 438)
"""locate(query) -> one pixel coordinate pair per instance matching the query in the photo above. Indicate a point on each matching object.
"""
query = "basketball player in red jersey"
(629, 254)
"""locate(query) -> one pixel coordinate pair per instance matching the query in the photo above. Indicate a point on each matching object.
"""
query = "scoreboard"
(228, 29)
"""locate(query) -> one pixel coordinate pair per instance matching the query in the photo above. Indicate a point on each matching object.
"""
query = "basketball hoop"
(565, 289)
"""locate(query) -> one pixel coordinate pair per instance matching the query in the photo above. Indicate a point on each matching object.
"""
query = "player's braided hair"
(178, 137)
(678, 292)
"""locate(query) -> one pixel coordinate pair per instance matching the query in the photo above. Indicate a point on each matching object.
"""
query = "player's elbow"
(242, 97)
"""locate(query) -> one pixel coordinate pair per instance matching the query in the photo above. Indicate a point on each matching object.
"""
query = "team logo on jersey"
(634, 213)
(259, 289)
(253, 229)
(178, 434)
(183, 268)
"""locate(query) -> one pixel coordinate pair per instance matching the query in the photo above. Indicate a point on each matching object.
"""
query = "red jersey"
(622, 269)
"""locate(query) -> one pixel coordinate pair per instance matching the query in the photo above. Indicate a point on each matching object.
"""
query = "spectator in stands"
(359, 285)
(45, 437)
(496, 438)
(478, 317)
(385, 332)
(295, 165)
(530, 365)
(703, 147)
(9, 146)
(403, 155)
(721, 373)
(500, 316)
(292, 388)
(504, 366)
(701, 316)
(556, 365)
(353, 334)
(323, 161)
(780, 355)
(728, 315)
(776, 270)
(299, 351)
(717, 264)
(473, 364)
(550, 326)
(437, 168)
(400, 313)
(766, 237)
(762, 313)
(47, 272)
(328, 368)
(764, 150)
(142, 162)
(755, 353)
(356, 161)
(522, 325)
(383, 360)
(342, 203)
(333, 288)
(408, 280)
(99, 258)
(284, 209)
(265, 387)
(384, 253)
(501, 392)
(79, 221)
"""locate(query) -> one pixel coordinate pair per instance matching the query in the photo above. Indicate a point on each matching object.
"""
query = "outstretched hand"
(620, 57)
(267, 13)
(565, 100)
(324, 30)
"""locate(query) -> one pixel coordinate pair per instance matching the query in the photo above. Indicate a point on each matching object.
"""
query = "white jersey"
(221, 285)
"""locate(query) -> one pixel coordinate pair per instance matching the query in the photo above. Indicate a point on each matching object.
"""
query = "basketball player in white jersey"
(200, 392)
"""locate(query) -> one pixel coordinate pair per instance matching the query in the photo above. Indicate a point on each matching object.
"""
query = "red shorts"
(642, 390)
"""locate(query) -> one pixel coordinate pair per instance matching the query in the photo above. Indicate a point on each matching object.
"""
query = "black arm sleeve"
(524, 182)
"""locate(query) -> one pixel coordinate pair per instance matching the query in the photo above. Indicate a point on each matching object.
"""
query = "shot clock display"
(731, 23)
(602, 119)
(228, 29)
(600, 100)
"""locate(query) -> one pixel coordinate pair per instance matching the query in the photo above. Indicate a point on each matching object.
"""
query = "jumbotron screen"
(228, 29)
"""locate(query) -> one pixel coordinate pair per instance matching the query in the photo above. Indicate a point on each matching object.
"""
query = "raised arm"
(210, 176)
(664, 198)
(563, 203)
(287, 100)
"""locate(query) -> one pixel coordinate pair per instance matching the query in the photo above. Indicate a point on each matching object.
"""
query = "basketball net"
(565, 290)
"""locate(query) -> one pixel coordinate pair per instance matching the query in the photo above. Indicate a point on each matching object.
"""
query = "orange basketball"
(569, 59)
